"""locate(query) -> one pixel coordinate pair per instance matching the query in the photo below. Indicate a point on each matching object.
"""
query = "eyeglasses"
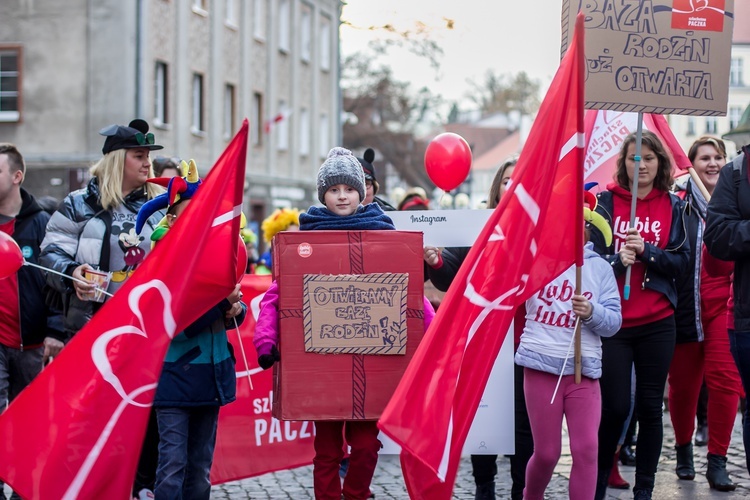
(144, 139)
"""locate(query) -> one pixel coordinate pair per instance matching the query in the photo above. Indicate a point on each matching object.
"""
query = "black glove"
(266, 361)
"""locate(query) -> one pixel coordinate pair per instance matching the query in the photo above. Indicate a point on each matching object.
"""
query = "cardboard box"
(370, 270)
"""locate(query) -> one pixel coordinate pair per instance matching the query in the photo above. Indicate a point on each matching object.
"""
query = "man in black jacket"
(29, 333)
(727, 237)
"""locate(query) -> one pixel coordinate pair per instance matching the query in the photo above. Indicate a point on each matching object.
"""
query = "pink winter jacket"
(267, 326)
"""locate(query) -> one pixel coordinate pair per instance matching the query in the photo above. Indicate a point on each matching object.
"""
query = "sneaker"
(145, 494)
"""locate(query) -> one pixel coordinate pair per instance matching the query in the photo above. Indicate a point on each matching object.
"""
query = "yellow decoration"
(278, 221)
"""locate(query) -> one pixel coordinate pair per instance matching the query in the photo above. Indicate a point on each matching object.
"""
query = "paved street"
(388, 483)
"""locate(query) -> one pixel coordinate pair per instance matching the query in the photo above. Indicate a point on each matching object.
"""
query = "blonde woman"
(94, 226)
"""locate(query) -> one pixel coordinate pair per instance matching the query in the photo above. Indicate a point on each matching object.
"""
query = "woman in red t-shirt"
(657, 251)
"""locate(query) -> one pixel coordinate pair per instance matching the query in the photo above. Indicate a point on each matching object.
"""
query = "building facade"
(194, 69)
(689, 128)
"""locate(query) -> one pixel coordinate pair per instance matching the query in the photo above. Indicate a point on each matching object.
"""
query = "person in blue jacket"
(198, 378)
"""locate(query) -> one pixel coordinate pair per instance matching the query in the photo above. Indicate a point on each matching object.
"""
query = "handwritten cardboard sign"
(655, 56)
(355, 313)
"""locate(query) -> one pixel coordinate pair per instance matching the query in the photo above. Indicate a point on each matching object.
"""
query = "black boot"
(627, 456)
(717, 475)
(485, 491)
(602, 479)
(641, 494)
(701, 434)
(685, 469)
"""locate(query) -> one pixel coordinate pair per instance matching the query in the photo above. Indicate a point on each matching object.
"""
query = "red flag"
(659, 126)
(530, 239)
(77, 430)
(280, 117)
(605, 133)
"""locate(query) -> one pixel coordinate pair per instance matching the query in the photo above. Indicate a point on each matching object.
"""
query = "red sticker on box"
(700, 15)
(304, 250)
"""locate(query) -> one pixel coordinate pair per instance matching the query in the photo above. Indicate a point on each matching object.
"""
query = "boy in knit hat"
(341, 188)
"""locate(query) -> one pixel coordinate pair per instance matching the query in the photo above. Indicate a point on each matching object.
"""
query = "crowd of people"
(663, 299)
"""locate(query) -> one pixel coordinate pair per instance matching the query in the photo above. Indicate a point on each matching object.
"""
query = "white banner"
(443, 228)
(492, 432)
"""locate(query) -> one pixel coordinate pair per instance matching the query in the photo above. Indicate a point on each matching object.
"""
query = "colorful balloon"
(11, 258)
(448, 160)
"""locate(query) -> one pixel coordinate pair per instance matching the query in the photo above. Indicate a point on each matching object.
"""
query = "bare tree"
(417, 39)
(505, 93)
(383, 113)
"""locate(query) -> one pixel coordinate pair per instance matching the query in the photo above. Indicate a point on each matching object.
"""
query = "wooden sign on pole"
(655, 56)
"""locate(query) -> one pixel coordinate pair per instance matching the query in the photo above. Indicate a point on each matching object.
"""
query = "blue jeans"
(187, 436)
(739, 345)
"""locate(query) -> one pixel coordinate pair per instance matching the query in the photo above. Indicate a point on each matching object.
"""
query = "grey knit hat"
(341, 167)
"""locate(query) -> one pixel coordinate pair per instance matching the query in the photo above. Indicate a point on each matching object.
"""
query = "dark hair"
(493, 198)
(161, 163)
(171, 209)
(15, 159)
(663, 180)
(718, 144)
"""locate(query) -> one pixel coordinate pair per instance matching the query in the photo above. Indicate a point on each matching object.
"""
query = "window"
(160, 94)
(691, 125)
(259, 19)
(305, 40)
(230, 12)
(10, 85)
(711, 125)
(229, 110)
(735, 72)
(197, 123)
(200, 7)
(325, 140)
(325, 44)
(282, 127)
(284, 30)
(735, 113)
(304, 132)
(256, 125)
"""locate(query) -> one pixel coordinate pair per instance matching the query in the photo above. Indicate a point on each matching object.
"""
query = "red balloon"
(241, 259)
(448, 160)
(11, 258)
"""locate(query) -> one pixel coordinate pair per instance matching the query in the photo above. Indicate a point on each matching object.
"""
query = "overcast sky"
(504, 35)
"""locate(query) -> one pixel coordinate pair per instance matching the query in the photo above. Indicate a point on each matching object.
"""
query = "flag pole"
(698, 182)
(579, 237)
(577, 334)
(634, 193)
